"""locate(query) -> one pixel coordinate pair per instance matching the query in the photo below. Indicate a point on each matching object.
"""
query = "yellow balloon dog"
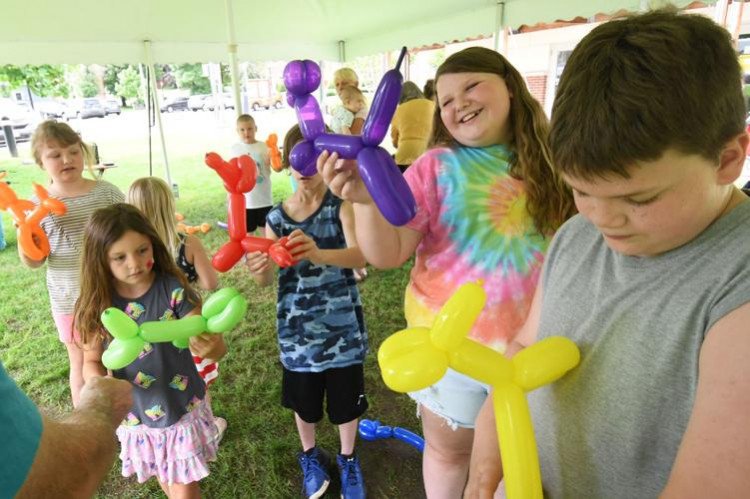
(413, 359)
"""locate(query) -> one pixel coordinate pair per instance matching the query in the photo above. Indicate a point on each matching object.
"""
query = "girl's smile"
(475, 108)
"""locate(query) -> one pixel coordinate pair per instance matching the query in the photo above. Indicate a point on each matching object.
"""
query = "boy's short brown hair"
(635, 87)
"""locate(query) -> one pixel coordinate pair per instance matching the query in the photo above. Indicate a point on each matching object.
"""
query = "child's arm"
(25, 259)
(350, 257)
(196, 253)
(356, 127)
(382, 244)
(92, 360)
(207, 345)
(714, 456)
(259, 264)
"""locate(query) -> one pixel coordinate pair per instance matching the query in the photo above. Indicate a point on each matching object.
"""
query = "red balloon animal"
(239, 175)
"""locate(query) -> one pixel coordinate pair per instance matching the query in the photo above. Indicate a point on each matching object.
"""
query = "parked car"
(50, 108)
(195, 102)
(23, 120)
(175, 104)
(111, 105)
(226, 100)
(87, 108)
(257, 103)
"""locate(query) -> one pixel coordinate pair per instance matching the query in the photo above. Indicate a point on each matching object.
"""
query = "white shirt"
(260, 196)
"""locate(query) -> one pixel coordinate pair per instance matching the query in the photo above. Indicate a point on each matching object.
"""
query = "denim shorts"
(455, 398)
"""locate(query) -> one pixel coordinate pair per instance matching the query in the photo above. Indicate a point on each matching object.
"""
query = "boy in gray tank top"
(651, 279)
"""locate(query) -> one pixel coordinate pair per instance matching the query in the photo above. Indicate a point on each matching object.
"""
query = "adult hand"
(109, 396)
(257, 263)
(342, 178)
(303, 247)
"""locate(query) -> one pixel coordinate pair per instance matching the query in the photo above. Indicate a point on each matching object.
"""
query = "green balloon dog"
(222, 311)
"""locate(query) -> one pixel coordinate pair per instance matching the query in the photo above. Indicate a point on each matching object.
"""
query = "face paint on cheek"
(149, 264)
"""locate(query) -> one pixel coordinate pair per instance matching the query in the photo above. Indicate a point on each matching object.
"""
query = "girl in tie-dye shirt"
(488, 202)
(169, 432)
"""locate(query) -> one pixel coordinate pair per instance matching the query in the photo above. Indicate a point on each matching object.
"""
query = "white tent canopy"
(113, 31)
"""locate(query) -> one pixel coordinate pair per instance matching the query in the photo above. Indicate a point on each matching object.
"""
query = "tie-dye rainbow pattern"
(475, 225)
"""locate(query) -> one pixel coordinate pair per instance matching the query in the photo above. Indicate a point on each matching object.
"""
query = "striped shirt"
(65, 236)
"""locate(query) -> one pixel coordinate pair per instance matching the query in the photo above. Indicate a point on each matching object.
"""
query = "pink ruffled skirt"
(177, 454)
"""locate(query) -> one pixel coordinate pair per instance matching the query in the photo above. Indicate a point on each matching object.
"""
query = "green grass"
(257, 455)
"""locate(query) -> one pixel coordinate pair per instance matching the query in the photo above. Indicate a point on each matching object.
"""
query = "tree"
(45, 80)
(110, 77)
(88, 84)
(129, 85)
(190, 76)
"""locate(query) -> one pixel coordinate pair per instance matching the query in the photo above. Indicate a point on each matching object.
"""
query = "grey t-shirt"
(611, 428)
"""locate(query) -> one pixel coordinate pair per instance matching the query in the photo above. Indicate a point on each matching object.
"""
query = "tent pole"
(157, 108)
(148, 121)
(233, 66)
(499, 25)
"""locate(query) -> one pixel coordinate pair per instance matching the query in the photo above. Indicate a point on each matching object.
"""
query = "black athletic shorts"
(256, 218)
(343, 389)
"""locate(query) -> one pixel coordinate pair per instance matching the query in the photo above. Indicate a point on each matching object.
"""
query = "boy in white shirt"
(259, 200)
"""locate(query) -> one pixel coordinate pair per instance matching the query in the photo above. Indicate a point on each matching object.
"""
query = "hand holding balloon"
(416, 358)
(342, 178)
(377, 168)
(221, 312)
(239, 175)
(31, 238)
(303, 247)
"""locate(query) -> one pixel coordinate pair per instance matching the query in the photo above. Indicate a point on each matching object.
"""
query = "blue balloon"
(409, 437)
(373, 430)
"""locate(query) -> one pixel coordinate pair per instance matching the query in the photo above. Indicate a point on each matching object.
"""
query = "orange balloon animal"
(273, 150)
(31, 237)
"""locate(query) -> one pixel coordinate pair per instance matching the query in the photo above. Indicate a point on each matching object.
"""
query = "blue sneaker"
(316, 479)
(352, 483)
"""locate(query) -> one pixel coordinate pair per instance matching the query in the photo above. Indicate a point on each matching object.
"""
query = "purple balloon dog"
(373, 430)
(377, 168)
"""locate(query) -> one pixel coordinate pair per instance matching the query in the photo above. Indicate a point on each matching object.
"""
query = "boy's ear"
(732, 158)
